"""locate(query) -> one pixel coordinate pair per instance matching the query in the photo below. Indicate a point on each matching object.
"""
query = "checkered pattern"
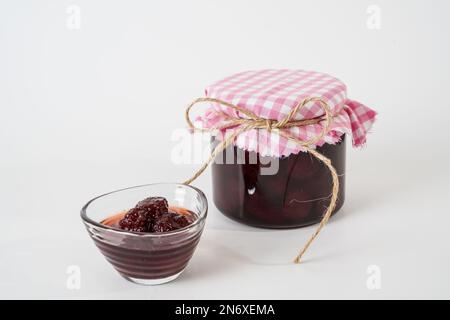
(271, 94)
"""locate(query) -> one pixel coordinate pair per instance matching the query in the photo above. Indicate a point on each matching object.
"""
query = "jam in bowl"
(148, 233)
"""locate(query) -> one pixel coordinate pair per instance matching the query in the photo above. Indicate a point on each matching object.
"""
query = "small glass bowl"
(146, 258)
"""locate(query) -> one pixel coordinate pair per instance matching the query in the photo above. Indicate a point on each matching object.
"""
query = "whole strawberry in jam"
(169, 221)
(135, 220)
(153, 215)
(155, 206)
(141, 217)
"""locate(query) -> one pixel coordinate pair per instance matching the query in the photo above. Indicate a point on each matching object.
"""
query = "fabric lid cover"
(271, 94)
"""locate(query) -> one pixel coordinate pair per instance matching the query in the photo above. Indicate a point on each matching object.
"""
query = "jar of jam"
(266, 177)
(296, 195)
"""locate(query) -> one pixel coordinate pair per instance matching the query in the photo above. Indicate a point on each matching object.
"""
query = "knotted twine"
(255, 122)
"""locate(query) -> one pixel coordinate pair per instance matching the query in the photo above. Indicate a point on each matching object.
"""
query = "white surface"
(91, 110)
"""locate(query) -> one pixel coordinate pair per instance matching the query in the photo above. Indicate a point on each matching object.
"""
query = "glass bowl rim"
(201, 216)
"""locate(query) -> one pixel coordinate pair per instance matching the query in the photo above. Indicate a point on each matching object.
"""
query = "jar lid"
(272, 94)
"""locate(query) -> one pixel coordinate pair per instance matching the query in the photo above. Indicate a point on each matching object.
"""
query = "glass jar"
(296, 195)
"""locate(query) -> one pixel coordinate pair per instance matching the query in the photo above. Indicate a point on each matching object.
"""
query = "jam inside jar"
(295, 195)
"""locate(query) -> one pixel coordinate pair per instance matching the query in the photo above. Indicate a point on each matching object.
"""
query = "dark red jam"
(296, 195)
(158, 255)
(152, 214)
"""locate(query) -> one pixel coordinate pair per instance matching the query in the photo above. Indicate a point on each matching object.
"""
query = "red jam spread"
(152, 214)
(156, 253)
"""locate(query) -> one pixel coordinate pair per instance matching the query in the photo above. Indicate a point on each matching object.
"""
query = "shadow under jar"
(296, 195)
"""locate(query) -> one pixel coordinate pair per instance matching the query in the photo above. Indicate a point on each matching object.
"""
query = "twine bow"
(254, 122)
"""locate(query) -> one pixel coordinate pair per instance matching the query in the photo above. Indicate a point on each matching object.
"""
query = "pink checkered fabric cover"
(271, 94)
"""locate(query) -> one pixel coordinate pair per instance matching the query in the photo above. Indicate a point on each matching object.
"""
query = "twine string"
(252, 121)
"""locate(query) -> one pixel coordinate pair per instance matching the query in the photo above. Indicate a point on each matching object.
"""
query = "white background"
(86, 111)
